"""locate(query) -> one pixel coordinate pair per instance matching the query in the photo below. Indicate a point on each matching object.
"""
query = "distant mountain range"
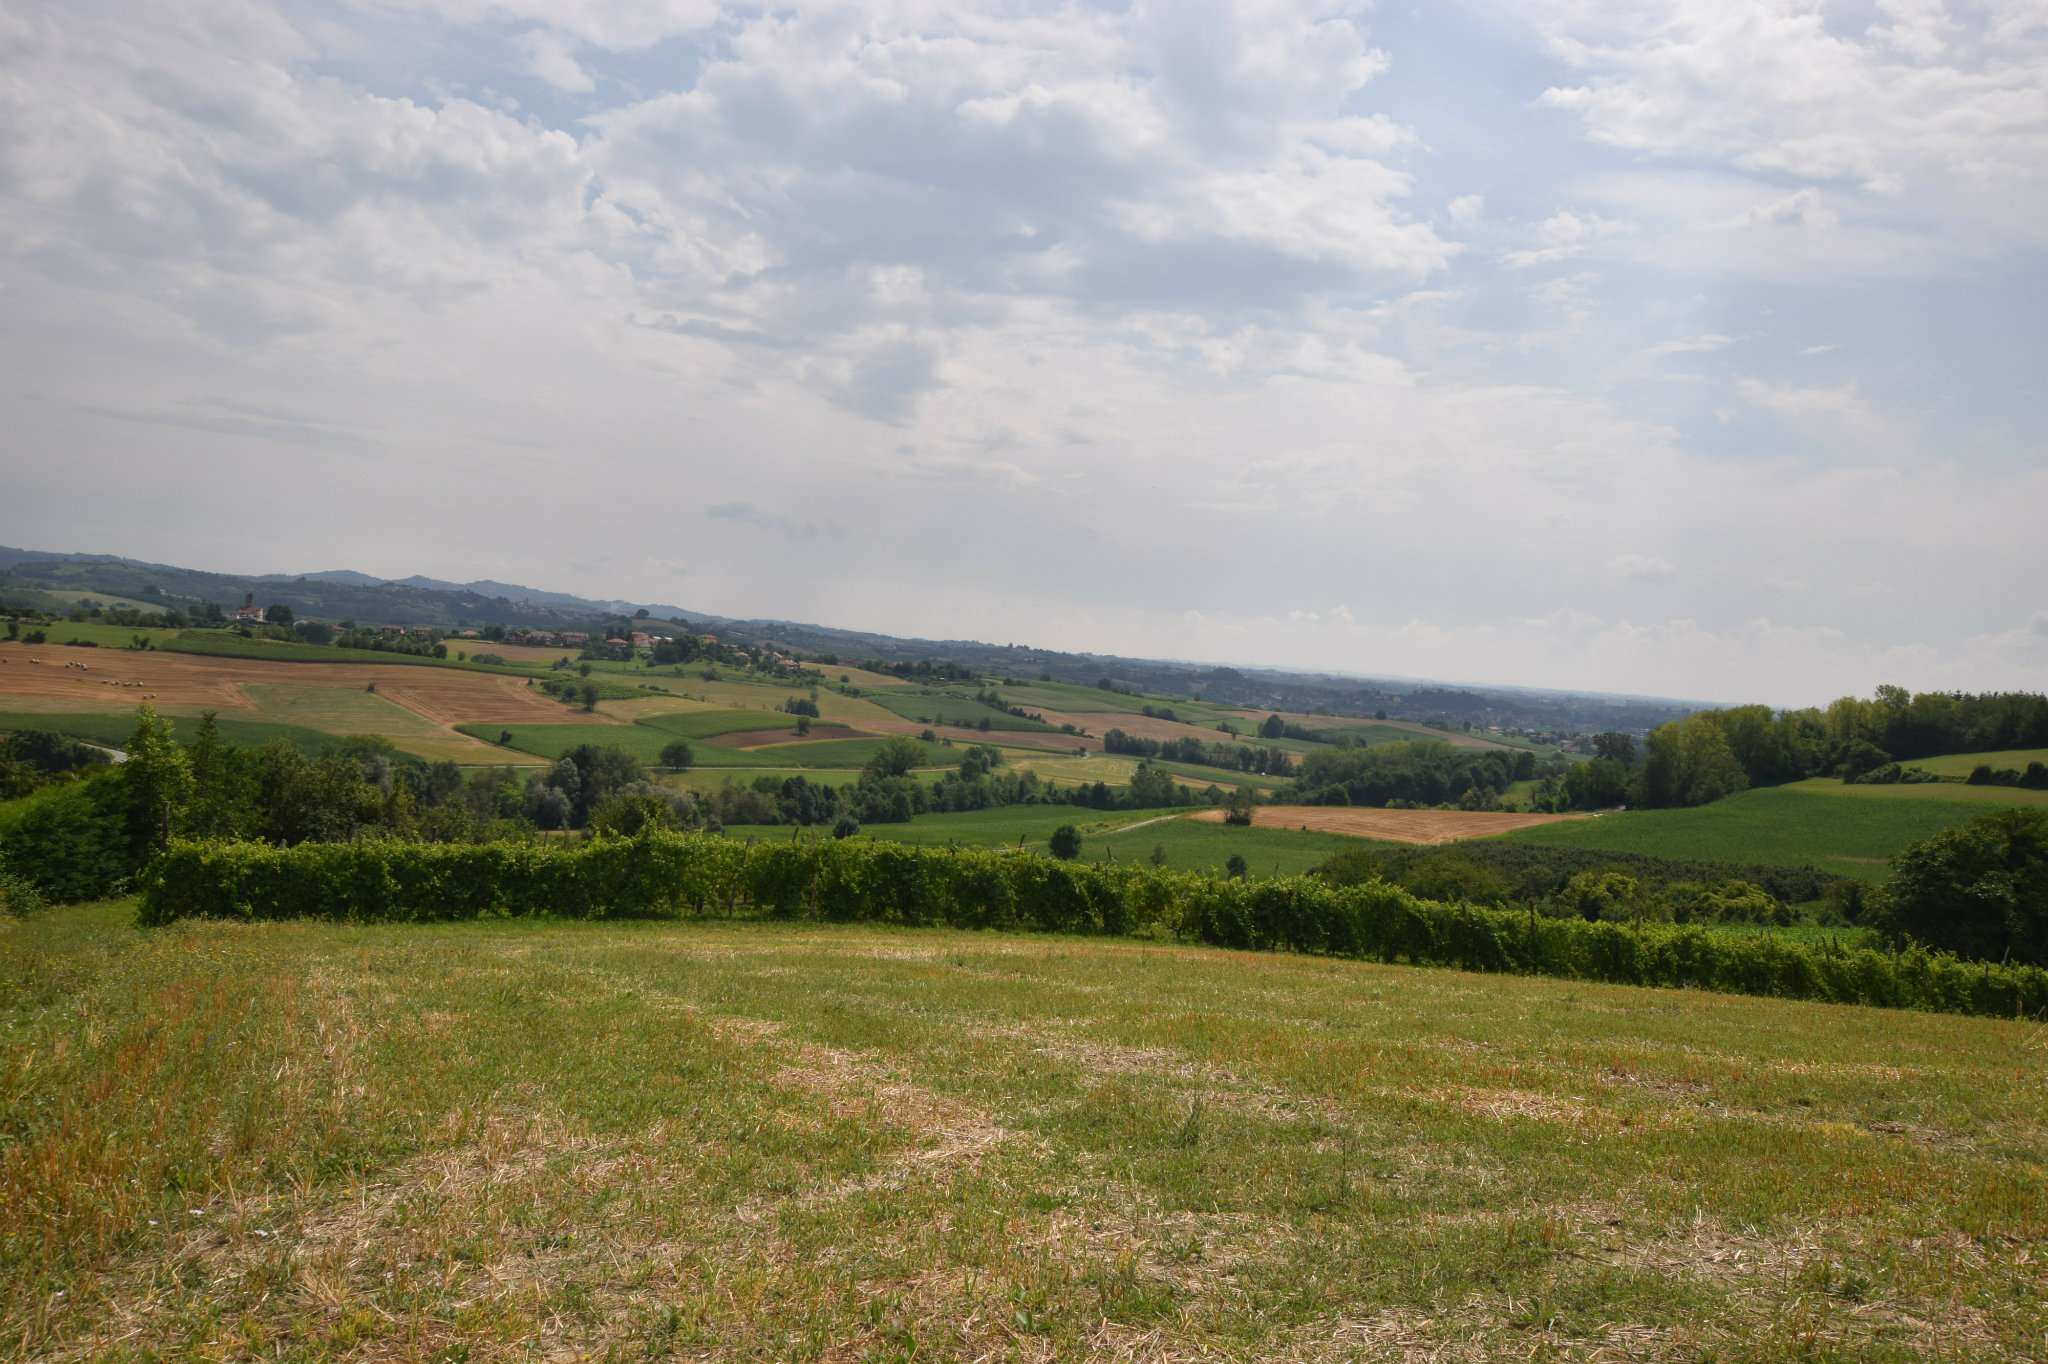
(334, 594)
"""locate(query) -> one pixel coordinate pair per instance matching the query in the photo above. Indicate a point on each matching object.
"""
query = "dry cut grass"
(1430, 827)
(747, 1142)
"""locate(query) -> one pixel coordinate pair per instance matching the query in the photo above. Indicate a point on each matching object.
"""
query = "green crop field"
(829, 753)
(645, 740)
(708, 724)
(552, 741)
(113, 728)
(943, 708)
(699, 1140)
(1951, 791)
(101, 635)
(1807, 823)
(1120, 836)
(1962, 764)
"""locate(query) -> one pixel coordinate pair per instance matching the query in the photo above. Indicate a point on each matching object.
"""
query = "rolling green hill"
(1853, 831)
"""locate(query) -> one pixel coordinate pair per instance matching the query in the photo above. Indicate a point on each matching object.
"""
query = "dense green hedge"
(671, 875)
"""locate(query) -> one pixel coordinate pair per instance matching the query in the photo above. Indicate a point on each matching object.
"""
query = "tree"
(223, 790)
(1239, 810)
(1602, 895)
(803, 724)
(1065, 843)
(159, 781)
(1615, 747)
(589, 694)
(894, 758)
(1980, 890)
(1273, 728)
(847, 827)
(677, 756)
(1236, 869)
(277, 613)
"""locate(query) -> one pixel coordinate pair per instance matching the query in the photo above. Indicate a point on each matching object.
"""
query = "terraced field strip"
(507, 1141)
(1962, 764)
(1390, 826)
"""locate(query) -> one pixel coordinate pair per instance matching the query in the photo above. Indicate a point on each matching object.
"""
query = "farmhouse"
(248, 612)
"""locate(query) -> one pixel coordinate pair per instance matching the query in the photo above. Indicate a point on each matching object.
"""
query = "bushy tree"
(1980, 890)
(1065, 843)
(159, 781)
(894, 758)
(677, 756)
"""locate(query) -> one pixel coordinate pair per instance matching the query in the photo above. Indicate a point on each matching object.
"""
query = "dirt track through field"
(1430, 827)
(120, 679)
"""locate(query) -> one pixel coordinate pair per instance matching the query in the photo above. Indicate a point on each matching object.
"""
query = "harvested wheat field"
(1389, 826)
(514, 1141)
(112, 679)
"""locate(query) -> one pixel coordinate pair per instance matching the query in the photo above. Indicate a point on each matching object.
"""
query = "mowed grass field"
(1850, 830)
(513, 1141)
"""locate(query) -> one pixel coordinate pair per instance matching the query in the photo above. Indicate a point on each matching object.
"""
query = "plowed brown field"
(1389, 826)
(118, 679)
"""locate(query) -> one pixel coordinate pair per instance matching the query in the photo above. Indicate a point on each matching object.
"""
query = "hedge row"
(674, 875)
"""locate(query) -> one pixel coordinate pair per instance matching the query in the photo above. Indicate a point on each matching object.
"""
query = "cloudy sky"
(1689, 347)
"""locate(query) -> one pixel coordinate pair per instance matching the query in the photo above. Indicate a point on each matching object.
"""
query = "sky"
(1679, 347)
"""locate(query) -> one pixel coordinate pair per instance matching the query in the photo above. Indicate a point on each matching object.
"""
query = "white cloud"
(550, 56)
(1566, 235)
(1466, 211)
(1642, 568)
(1704, 344)
(1925, 122)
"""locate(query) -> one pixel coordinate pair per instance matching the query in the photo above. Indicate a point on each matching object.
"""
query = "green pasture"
(1812, 823)
(951, 708)
(1960, 765)
(709, 724)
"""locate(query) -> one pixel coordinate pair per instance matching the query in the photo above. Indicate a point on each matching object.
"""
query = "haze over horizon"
(1683, 349)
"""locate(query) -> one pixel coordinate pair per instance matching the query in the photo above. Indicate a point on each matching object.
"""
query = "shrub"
(1065, 843)
(1980, 890)
(662, 874)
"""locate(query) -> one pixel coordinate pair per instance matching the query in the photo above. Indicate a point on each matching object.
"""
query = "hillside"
(753, 1141)
(54, 581)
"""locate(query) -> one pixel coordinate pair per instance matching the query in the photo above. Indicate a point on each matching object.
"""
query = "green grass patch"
(1808, 823)
(709, 724)
(1960, 765)
(650, 1140)
(951, 708)
(1113, 836)
(112, 730)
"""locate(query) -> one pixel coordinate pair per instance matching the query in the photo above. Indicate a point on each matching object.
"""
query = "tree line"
(1717, 753)
(1230, 757)
(1411, 772)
